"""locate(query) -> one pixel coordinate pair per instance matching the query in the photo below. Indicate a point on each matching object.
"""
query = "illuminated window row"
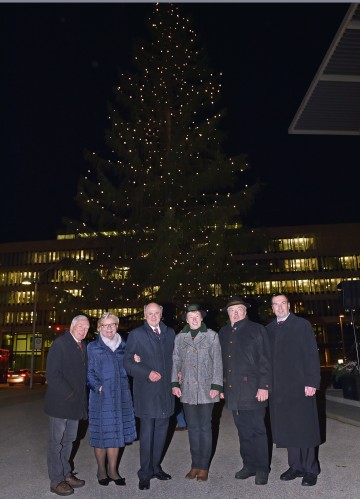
(303, 286)
(120, 312)
(294, 244)
(315, 264)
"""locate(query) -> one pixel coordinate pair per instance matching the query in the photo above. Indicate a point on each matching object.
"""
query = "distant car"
(23, 376)
(43, 373)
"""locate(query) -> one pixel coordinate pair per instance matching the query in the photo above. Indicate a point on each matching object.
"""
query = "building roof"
(331, 105)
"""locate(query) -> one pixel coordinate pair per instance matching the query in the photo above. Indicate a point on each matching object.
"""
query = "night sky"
(60, 63)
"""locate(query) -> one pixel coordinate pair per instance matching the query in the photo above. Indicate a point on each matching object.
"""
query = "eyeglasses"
(109, 326)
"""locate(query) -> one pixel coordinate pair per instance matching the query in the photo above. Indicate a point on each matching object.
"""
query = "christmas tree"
(166, 193)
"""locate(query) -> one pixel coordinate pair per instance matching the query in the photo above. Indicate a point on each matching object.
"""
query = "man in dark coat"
(296, 377)
(247, 374)
(65, 402)
(148, 359)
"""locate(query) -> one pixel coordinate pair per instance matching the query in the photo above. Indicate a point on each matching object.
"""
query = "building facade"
(46, 281)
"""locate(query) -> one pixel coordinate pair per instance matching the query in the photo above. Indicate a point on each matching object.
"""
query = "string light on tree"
(166, 187)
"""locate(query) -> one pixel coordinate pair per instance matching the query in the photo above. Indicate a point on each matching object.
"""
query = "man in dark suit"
(148, 359)
(296, 377)
(65, 403)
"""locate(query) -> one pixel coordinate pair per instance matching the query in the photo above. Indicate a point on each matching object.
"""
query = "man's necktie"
(280, 322)
(80, 345)
(156, 331)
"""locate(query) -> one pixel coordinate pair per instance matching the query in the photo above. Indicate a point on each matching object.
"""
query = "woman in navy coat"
(111, 413)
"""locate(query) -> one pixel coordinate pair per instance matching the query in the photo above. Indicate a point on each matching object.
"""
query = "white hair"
(78, 318)
(153, 303)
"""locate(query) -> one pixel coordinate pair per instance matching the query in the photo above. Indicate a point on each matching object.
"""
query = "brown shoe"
(62, 489)
(202, 475)
(74, 482)
(192, 474)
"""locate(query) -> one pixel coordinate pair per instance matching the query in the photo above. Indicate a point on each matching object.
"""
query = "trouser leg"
(62, 434)
(160, 434)
(303, 459)
(146, 439)
(254, 448)
(198, 418)
(180, 418)
(153, 433)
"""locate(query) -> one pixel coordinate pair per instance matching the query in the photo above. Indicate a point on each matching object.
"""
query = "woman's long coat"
(295, 358)
(200, 363)
(111, 413)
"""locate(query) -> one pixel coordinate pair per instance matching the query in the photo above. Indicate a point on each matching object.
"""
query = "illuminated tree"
(166, 188)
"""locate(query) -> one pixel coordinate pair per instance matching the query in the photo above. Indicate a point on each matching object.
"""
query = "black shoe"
(244, 473)
(118, 481)
(291, 474)
(104, 481)
(309, 479)
(144, 484)
(261, 477)
(161, 475)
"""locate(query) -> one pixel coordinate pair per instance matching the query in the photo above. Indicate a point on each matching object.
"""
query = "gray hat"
(193, 308)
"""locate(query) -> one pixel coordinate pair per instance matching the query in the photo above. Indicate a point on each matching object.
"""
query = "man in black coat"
(148, 359)
(247, 375)
(296, 377)
(65, 403)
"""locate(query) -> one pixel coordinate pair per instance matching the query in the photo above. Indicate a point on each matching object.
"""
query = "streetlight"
(342, 335)
(36, 282)
(36, 296)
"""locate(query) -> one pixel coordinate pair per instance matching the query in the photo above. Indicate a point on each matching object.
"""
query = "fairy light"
(165, 183)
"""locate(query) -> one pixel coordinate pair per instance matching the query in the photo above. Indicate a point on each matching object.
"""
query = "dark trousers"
(198, 419)
(62, 434)
(254, 449)
(304, 460)
(153, 433)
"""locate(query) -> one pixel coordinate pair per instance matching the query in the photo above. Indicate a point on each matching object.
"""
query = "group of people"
(246, 364)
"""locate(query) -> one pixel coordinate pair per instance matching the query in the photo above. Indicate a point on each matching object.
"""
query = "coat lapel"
(194, 342)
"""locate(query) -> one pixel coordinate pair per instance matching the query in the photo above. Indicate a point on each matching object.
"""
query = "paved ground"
(23, 437)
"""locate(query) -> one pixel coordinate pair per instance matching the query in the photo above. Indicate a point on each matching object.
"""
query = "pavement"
(23, 437)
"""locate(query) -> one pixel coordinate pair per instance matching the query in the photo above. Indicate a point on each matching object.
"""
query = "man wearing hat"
(247, 374)
(197, 377)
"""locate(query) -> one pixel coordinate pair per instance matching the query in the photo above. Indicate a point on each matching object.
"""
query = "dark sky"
(61, 61)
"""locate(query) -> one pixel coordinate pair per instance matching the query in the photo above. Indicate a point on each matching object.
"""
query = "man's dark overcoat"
(151, 399)
(295, 362)
(66, 369)
(246, 362)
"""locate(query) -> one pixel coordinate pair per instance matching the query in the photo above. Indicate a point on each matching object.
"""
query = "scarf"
(112, 344)
(194, 332)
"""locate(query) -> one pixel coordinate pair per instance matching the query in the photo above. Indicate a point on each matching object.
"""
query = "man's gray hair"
(78, 318)
(153, 303)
